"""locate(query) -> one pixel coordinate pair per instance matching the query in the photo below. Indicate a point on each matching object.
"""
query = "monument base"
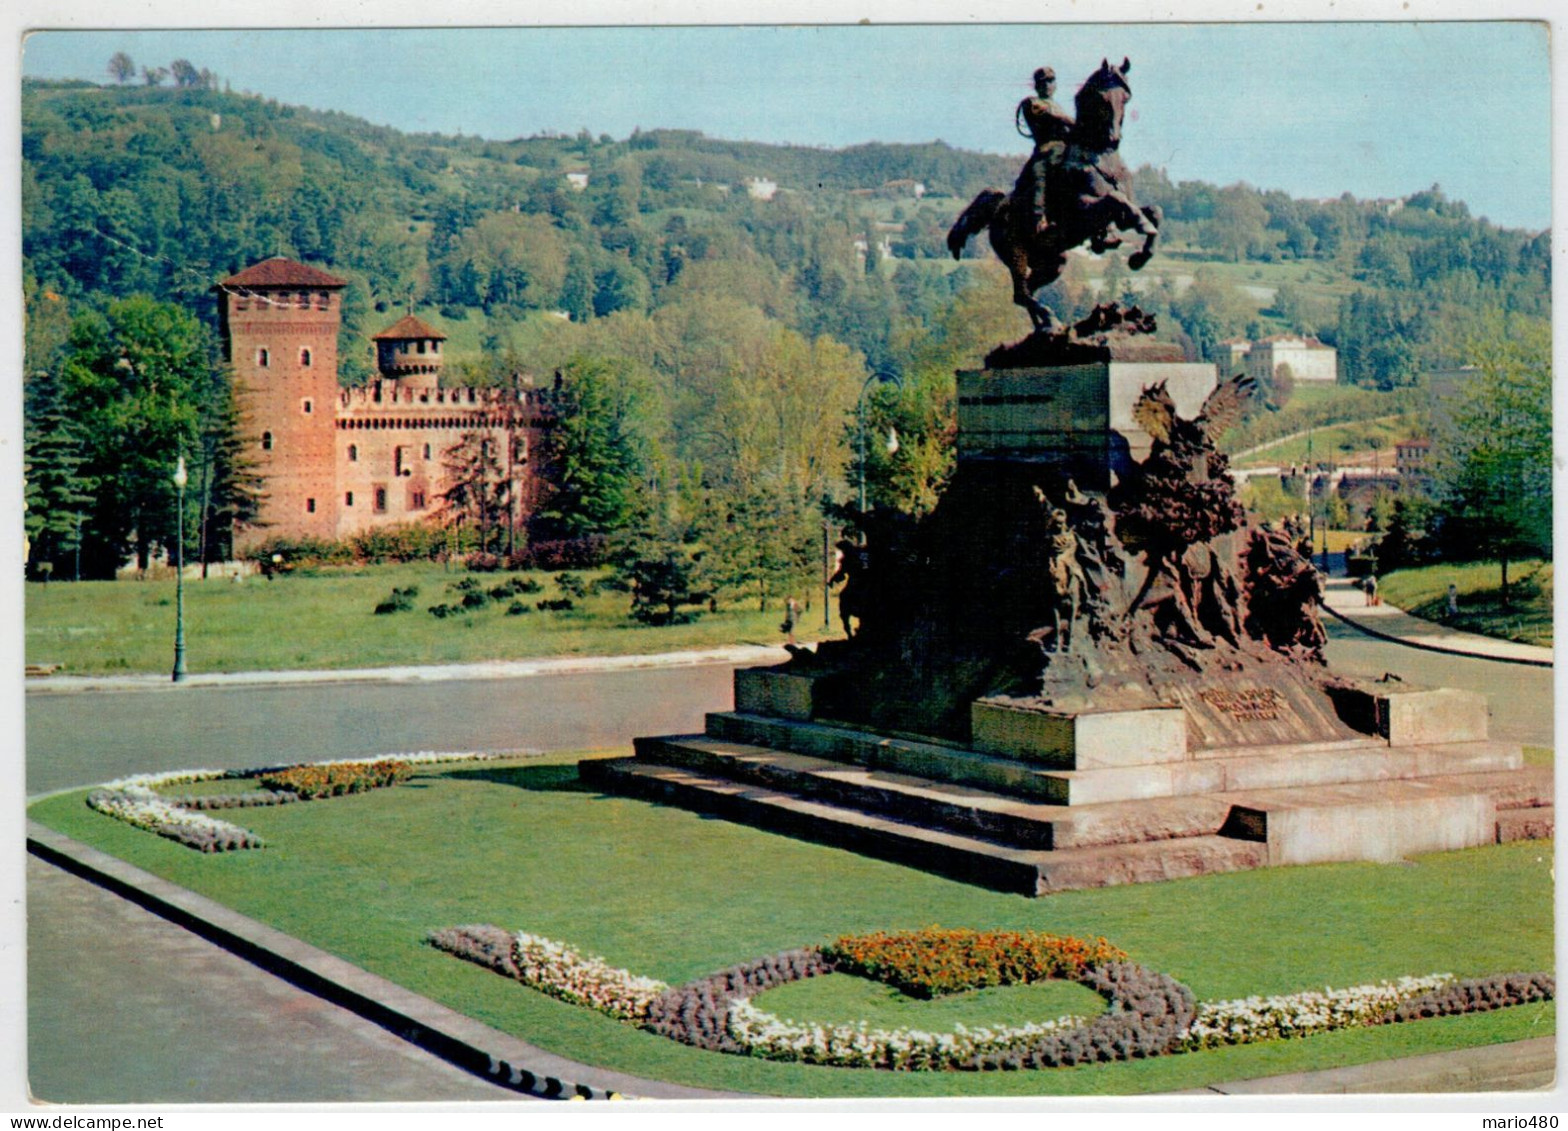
(1046, 800)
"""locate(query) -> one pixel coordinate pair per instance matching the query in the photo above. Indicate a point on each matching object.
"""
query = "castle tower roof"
(408, 328)
(281, 272)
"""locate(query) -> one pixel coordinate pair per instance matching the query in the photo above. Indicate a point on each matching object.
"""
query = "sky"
(1316, 109)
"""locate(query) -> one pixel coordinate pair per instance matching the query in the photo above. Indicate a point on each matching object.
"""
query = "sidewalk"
(1344, 600)
(424, 673)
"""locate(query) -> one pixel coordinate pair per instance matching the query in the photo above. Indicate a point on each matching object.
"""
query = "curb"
(1438, 648)
(413, 673)
(503, 1059)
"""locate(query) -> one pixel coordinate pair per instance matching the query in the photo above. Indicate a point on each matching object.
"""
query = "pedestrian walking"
(1453, 601)
(791, 615)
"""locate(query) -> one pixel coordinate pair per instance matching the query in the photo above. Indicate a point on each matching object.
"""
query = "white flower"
(562, 972)
(1244, 1020)
(859, 1046)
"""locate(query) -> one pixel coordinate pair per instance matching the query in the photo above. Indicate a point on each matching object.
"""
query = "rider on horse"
(1051, 128)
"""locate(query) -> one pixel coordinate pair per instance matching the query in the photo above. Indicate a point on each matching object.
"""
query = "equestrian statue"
(1074, 189)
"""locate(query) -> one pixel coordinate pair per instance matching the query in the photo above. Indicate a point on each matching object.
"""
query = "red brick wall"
(269, 331)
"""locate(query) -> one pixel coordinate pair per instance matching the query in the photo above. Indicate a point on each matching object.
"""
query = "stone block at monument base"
(1083, 740)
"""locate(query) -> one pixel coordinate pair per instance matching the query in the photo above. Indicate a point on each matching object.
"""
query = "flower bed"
(1300, 1015)
(136, 799)
(556, 969)
(313, 782)
(1148, 1013)
(146, 810)
(935, 961)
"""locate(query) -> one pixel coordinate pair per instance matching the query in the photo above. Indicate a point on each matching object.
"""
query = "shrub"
(334, 779)
(285, 555)
(515, 587)
(403, 542)
(570, 553)
(517, 609)
(571, 585)
(441, 612)
(483, 562)
(935, 961)
(401, 601)
(555, 604)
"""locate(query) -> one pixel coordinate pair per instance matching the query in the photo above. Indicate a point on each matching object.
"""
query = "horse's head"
(1100, 102)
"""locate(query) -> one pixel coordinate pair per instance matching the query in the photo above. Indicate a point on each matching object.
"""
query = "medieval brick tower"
(335, 462)
(280, 320)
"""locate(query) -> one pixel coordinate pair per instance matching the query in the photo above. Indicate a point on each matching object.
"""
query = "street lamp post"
(180, 479)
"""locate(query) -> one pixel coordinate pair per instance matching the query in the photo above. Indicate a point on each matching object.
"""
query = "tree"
(135, 381)
(1238, 224)
(121, 69)
(57, 494)
(597, 455)
(480, 491)
(1495, 474)
(185, 73)
(154, 76)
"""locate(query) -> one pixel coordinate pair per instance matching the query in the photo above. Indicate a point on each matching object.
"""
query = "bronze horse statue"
(1088, 193)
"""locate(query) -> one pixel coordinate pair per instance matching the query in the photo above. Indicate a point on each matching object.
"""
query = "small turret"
(409, 352)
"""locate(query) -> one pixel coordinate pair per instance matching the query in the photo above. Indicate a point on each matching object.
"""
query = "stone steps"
(1025, 827)
(972, 860)
(1003, 819)
(1213, 772)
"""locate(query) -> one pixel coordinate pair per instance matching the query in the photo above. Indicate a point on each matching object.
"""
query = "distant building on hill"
(761, 188)
(333, 461)
(1413, 459)
(1306, 359)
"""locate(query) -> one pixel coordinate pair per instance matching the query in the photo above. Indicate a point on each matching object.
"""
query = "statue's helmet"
(1044, 74)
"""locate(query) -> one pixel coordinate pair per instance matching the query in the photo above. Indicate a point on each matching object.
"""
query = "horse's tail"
(974, 219)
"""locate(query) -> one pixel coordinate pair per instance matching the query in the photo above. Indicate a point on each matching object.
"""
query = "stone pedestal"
(1075, 417)
(1081, 740)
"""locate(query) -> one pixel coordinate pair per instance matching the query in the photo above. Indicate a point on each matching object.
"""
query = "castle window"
(263, 358)
(435, 347)
(416, 501)
(302, 300)
(307, 406)
(322, 299)
(421, 345)
(304, 358)
(353, 453)
(381, 500)
(427, 451)
(310, 506)
(266, 441)
(397, 460)
(348, 498)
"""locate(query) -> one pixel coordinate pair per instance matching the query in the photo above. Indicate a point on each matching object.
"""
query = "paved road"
(88, 737)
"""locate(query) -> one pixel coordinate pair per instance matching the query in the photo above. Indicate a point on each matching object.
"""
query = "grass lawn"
(671, 894)
(1335, 442)
(1527, 618)
(327, 620)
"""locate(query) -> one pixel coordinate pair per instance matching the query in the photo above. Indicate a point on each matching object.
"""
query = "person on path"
(1369, 586)
(1453, 601)
(791, 614)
